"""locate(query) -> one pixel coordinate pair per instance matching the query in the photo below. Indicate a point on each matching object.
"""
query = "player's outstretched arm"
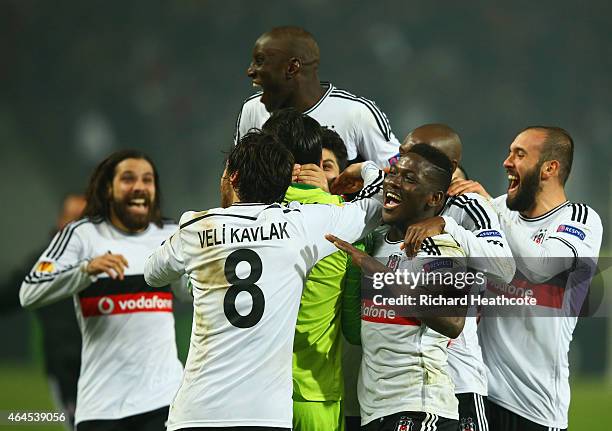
(165, 265)
(360, 258)
(62, 270)
(349, 181)
(450, 326)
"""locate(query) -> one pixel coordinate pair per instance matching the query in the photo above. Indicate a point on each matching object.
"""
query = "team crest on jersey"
(539, 237)
(394, 261)
(579, 233)
(437, 264)
(393, 160)
(467, 424)
(404, 424)
(45, 267)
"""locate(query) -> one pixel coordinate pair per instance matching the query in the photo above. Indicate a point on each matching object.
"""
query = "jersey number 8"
(243, 285)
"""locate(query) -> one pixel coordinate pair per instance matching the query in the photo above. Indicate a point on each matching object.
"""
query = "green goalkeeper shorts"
(317, 415)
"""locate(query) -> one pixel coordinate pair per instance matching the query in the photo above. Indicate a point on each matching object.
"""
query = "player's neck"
(546, 200)
(396, 233)
(308, 95)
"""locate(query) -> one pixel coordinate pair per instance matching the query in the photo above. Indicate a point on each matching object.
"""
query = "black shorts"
(411, 421)
(472, 412)
(501, 419)
(149, 421)
(352, 423)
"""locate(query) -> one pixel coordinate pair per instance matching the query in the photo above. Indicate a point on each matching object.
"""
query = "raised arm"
(165, 265)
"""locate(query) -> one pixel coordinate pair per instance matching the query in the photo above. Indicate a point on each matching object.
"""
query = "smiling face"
(268, 70)
(132, 195)
(523, 166)
(408, 195)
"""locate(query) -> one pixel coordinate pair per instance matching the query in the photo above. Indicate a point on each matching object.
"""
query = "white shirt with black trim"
(527, 355)
(404, 362)
(247, 265)
(473, 222)
(363, 127)
(129, 362)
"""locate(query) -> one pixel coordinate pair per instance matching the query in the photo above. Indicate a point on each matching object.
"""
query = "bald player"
(285, 67)
(474, 223)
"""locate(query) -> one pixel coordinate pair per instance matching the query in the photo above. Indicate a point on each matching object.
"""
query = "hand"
(356, 255)
(112, 264)
(416, 234)
(295, 173)
(349, 181)
(367, 263)
(313, 175)
(459, 187)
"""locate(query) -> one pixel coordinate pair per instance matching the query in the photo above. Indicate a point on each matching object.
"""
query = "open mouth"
(513, 182)
(138, 204)
(392, 200)
(256, 84)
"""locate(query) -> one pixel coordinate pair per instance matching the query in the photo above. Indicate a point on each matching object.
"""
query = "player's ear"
(550, 169)
(293, 67)
(234, 180)
(435, 199)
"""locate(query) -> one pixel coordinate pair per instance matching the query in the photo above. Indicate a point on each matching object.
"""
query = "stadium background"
(81, 79)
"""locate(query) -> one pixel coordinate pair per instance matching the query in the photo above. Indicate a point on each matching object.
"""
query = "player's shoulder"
(441, 245)
(253, 100)
(83, 230)
(475, 198)
(359, 107)
(354, 103)
(580, 213)
(82, 226)
(190, 217)
(477, 207)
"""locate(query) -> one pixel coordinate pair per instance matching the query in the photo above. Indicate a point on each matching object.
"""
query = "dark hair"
(558, 145)
(264, 168)
(98, 201)
(334, 143)
(443, 167)
(301, 134)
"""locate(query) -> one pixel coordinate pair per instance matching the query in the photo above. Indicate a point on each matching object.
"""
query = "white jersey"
(247, 265)
(527, 356)
(129, 362)
(363, 127)
(404, 362)
(473, 222)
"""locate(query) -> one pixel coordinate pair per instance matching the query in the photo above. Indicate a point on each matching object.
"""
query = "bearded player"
(556, 244)
(129, 365)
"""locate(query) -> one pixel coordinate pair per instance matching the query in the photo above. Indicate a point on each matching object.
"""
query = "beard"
(526, 194)
(133, 222)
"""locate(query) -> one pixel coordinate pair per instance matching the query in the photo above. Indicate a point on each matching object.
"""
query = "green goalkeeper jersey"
(317, 348)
